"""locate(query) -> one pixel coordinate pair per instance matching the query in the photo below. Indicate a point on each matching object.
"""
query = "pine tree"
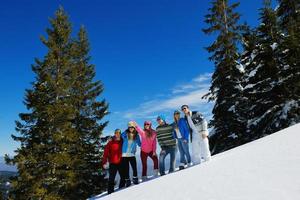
(90, 112)
(289, 21)
(262, 89)
(59, 133)
(226, 80)
(250, 40)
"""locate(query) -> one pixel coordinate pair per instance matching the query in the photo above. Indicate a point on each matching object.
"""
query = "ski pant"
(200, 148)
(113, 169)
(163, 154)
(125, 166)
(183, 148)
(144, 157)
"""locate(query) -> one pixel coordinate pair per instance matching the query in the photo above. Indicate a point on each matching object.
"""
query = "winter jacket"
(165, 136)
(183, 128)
(199, 123)
(136, 142)
(148, 144)
(112, 152)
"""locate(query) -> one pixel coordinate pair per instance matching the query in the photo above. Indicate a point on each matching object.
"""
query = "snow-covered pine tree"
(60, 129)
(289, 21)
(247, 61)
(262, 68)
(226, 84)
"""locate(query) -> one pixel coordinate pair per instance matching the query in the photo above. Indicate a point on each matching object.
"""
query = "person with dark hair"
(131, 140)
(112, 160)
(148, 147)
(167, 143)
(181, 133)
(199, 135)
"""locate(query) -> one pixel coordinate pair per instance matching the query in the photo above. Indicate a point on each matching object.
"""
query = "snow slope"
(268, 168)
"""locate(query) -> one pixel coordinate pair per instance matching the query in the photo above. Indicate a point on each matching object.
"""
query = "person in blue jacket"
(181, 133)
(131, 140)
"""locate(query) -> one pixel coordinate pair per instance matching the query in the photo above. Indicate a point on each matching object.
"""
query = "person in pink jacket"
(148, 147)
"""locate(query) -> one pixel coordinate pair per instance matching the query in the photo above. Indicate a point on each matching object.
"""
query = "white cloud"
(200, 82)
(190, 93)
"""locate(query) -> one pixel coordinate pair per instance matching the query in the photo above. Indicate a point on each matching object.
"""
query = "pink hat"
(147, 122)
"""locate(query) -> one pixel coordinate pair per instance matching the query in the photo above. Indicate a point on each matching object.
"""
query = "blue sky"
(148, 53)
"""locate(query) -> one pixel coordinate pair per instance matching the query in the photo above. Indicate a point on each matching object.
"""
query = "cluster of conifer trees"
(256, 82)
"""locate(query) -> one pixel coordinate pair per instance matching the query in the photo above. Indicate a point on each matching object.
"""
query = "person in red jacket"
(112, 157)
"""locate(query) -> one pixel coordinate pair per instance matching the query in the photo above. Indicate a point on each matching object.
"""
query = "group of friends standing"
(120, 151)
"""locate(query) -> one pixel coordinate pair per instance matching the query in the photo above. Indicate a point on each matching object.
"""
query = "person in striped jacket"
(167, 143)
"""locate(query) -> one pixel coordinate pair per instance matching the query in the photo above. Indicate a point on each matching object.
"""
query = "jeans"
(183, 147)
(144, 157)
(163, 154)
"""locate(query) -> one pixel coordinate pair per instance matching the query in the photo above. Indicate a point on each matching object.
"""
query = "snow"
(240, 67)
(267, 168)
(287, 107)
(232, 109)
(249, 86)
(253, 72)
(274, 45)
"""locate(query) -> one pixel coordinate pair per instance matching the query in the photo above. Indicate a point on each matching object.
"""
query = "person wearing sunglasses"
(181, 133)
(199, 135)
(131, 140)
(112, 160)
(167, 143)
(148, 147)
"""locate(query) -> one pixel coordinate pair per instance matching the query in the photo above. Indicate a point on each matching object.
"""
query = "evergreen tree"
(89, 113)
(226, 80)
(289, 21)
(59, 133)
(248, 61)
(262, 90)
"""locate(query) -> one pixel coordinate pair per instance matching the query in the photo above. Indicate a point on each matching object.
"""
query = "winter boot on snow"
(127, 182)
(135, 180)
(144, 178)
(110, 188)
(155, 173)
(181, 167)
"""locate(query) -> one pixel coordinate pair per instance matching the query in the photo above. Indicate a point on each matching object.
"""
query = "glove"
(106, 165)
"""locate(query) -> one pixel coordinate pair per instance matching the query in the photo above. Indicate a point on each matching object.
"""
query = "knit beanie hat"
(161, 117)
(176, 112)
(131, 124)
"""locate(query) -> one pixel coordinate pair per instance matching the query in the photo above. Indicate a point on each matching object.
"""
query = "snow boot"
(127, 182)
(144, 178)
(181, 167)
(155, 173)
(110, 188)
(135, 180)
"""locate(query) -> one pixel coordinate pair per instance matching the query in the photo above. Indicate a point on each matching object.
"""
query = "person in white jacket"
(199, 135)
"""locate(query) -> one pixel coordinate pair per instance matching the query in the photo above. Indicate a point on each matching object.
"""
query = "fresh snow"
(274, 45)
(268, 168)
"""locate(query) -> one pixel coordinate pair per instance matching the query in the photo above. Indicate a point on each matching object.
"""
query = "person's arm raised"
(139, 129)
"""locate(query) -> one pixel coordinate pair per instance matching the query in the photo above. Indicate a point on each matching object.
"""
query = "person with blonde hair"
(131, 140)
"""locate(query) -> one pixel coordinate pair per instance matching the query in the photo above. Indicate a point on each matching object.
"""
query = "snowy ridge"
(268, 168)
